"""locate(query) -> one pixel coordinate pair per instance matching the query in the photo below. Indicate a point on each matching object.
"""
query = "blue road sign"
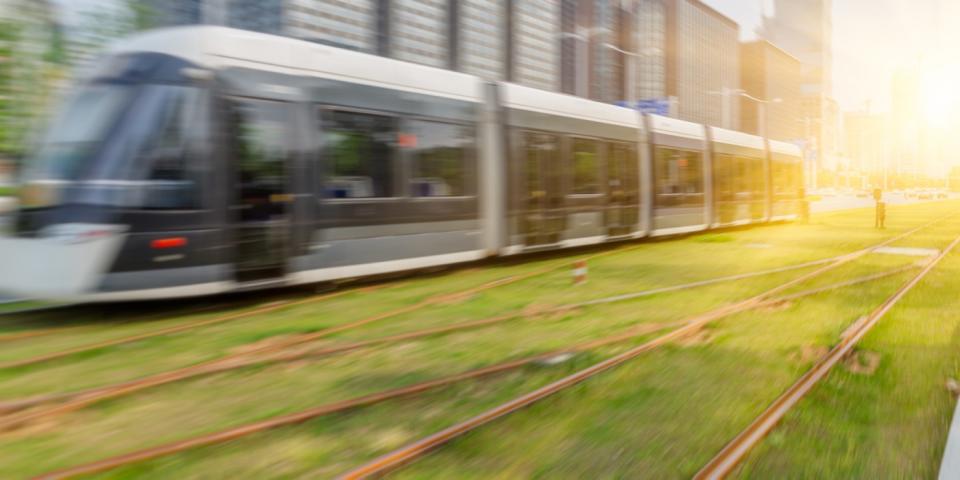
(657, 106)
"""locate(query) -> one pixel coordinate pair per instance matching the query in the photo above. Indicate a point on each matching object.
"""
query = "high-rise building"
(481, 40)
(352, 24)
(650, 34)
(536, 43)
(803, 28)
(866, 144)
(702, 63)
(420, 32)
(770, 74)
(908, 133)
(176, 12)
(257, 15)
(591, 68)
(681, 49)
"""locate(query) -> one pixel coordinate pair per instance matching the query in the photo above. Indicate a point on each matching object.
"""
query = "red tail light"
(174, 242)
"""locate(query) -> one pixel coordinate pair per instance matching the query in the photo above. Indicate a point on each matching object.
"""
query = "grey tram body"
(521, 184)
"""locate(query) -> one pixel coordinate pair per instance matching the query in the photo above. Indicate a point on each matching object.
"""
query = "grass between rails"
(572, 435)
(665, 414)
(216, 402)
(255, 393)
(890, 424)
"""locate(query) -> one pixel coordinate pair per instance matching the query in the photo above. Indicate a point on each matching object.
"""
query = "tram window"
(585, 161)
(679, 180)
(360, 154)
(441, 154)
(157, 154)
(725, 184)
(755, 182)
(262, 154)
(542, 176)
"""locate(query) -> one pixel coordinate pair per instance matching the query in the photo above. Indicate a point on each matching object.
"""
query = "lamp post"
(582, 36)
(762, 110)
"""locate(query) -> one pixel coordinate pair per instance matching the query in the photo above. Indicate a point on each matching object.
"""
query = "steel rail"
(77, 400)
(417, 449)
(269, 308)
(379, 397)
(730, 456)
(11, 406)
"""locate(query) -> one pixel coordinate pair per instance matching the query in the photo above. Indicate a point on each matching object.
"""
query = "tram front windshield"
(120, 145)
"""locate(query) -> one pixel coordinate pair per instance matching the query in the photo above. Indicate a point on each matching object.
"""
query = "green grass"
(891, 424)
(680, 403)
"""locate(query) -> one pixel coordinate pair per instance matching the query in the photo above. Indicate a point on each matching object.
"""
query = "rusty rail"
(423, 387)
(730, 456)
(417, 449)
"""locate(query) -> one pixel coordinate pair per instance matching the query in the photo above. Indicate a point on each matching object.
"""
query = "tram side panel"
(786, 173)
(739, 178)
(397, 185)
(573, 181)
(680, 175)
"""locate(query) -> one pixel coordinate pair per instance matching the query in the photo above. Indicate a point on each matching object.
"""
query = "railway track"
(416, 450)
(90, 396)
(729, 457)
(278, 306)
(78, 400)
(626, 335)
(693, 325)
(260, 310)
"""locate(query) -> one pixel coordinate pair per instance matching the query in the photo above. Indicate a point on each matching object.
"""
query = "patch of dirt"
(391, 439)
(953, 386)
(701, 337)
(776, 306)
(456, 298)
(810, 353)
(862, 363)
(536, 311)
(266, 342)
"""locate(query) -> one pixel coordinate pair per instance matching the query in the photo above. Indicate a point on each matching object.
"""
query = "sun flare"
(941, 100)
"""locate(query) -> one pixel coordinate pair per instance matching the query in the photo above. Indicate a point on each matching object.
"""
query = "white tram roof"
(733, 137)
(220, 47)
(785, 148)
(677, 127)
(543, 101)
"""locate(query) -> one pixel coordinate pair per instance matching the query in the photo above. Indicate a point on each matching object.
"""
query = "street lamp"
(762, 110)
(582, 35)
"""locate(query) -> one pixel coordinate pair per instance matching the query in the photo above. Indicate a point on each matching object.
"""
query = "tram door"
(543, 217)
(262, 207)
(623, 194)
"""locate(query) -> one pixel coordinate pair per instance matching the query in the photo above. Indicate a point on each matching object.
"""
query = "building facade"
(769, 73)
(867, 145)
(803, 28)
(681, 51)
(650, 34)
(702, 63)
(536, 43)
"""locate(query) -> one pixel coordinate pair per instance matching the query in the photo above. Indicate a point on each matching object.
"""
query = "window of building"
(585, 160)
(679, 178)
(441, 158)
(359, 154)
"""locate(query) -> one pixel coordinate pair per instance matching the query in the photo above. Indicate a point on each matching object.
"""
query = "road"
(846, 202)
